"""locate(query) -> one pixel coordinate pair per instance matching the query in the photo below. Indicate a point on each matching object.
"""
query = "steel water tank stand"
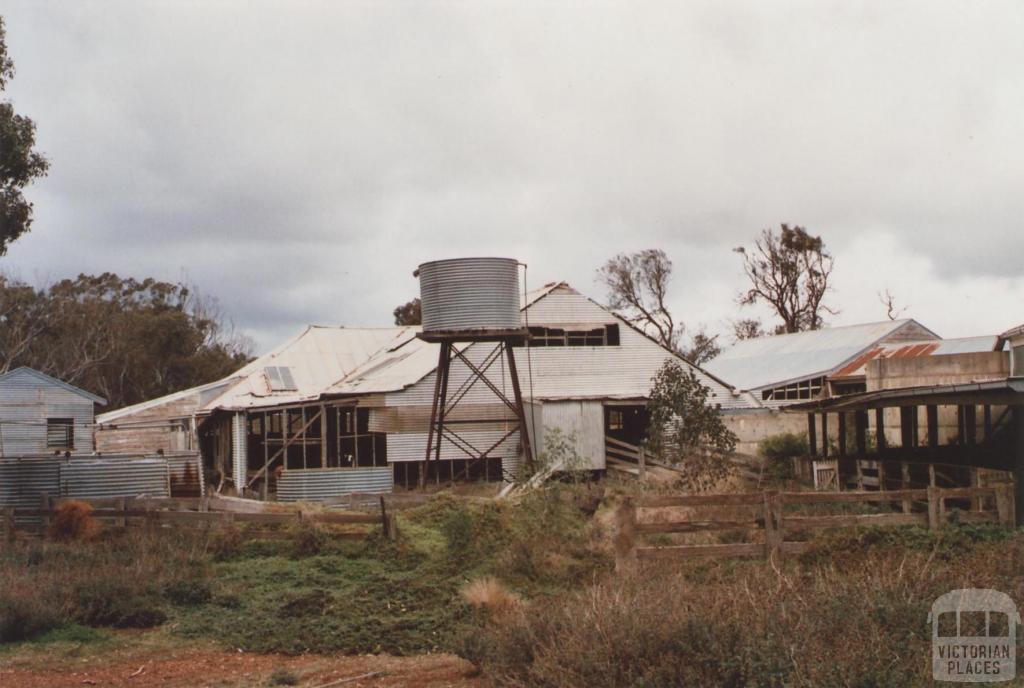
(441, 426)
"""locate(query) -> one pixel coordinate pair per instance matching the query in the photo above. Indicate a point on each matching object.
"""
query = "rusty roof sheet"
(964, 345)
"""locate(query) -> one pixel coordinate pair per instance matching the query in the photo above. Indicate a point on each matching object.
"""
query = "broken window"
(804, 389)
(615, 420)
(280, 378)
(603, 335)
(60, 433)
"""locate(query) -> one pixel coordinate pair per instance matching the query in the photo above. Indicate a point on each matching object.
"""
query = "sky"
(298, 160)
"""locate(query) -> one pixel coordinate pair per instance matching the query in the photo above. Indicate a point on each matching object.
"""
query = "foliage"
(790, 272)
(560, 454)
(20, 164)
(116, 603)
(124, 339)
(784, 445)
(637, 287)
(685, 429)
(747, 328)
(408, 313)
(25, 616)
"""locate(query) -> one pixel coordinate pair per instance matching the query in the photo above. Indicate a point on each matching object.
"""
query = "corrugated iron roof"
(25, 370)
(780, 359)
(963, 345)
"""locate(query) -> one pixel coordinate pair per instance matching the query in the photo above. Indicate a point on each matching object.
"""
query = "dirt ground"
(150, 662)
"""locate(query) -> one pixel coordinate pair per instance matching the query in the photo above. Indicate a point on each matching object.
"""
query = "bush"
(785, 445)
(116, 603)
(74, 522)
(307, 540)
(490, 595)
(188, 592)
(25, 616)
(779, 452)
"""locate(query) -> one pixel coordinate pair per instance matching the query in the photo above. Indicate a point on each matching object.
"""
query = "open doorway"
(626, 423)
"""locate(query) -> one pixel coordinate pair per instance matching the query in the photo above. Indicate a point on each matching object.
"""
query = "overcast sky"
(298, 160)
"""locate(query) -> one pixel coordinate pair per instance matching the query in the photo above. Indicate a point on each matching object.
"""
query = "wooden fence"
(196, 512)
(767, 511)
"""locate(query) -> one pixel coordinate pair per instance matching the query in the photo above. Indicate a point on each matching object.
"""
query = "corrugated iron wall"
(26, 402)
(24, 480)
(318, 484)
(97, 479)
(585, 421)
(239, 450)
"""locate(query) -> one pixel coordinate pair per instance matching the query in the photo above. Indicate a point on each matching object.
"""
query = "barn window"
(581, 335)
(60, 433)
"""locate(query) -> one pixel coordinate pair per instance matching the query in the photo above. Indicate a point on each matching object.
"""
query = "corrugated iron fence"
(23, 480)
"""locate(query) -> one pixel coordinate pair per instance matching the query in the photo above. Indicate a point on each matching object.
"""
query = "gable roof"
(781, 359)
(342, 361)
(32, 372)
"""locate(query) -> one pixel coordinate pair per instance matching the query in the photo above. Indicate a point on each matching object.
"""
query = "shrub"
(784, 445)
(307, 540)
(74, 522)
(188, 592)
(25, 616)
(117, 603)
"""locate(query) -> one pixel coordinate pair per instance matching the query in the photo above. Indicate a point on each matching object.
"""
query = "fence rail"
(195, 512)
(765, 511)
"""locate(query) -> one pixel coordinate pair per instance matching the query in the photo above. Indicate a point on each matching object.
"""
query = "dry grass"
(854, 618)
(488, 593)
(74, 522)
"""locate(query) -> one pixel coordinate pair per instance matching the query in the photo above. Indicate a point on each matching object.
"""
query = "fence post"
(625, 537)
(122, 506)
(44, 504)
(642, 465)
(905, 484)
(1004, 504)
(934, 505)
(773, 526)
(977, 501)
(9, 525)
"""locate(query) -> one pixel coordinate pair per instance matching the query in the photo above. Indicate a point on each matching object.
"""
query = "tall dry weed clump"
(858, 620)
(490, 595)
(74, 522)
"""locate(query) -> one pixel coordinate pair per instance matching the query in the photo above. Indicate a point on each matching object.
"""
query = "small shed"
(40, 414)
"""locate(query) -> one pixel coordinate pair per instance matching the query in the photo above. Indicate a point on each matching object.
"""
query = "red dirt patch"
(190, 667)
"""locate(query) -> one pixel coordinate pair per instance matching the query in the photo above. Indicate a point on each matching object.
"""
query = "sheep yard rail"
(157, 513)
(766, 511)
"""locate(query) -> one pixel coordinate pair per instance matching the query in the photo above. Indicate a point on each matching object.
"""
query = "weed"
(284, 677)
(188, 592)
(489, 594)
(74, 522)
(23, 617)
(116, 603)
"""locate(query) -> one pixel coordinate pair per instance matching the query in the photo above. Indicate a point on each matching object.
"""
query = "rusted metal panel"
(320, 484)
(470, 294)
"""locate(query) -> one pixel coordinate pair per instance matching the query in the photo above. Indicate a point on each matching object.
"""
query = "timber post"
(934, 507)
(122, 506)
(9, 532)
(625, 536)
(1004, 504)
(642, 465)
(773, 533)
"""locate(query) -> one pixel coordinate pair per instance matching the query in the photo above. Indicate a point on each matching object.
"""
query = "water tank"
(470, 295)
